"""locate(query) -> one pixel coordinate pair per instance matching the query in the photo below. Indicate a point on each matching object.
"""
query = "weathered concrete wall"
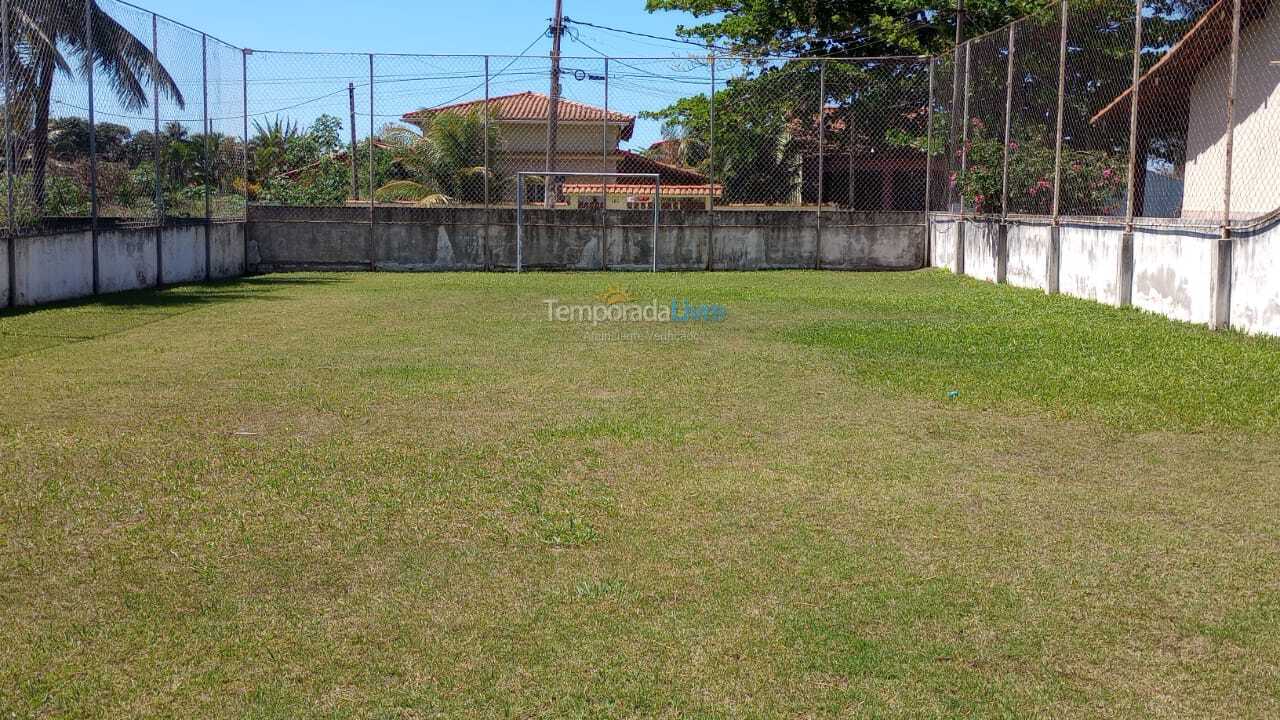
(980, 245)
(1090, 261)
(53, 267)
(226, 250)
(182, 254)
(4, 273)
(1172, 272)
(126, 259)
(943, 244)
(60, 266)
(567, 239)
(1255, 279)
(1029, 244)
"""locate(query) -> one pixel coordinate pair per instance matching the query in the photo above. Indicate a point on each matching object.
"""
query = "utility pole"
(351, 97)
(553, 109)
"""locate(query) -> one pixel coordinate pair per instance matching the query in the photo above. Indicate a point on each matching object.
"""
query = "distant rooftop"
(532, 107)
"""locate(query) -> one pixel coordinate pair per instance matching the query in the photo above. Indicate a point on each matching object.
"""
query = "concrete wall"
(567, 239)
(1090, 261)
(1180, 270)
(1255, 279)
(981, 238)
(1172, 272)
(53, 267)
(60, 266)
(126, 259)
(1029, 245)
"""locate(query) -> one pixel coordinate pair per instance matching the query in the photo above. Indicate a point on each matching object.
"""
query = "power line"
(705, 46)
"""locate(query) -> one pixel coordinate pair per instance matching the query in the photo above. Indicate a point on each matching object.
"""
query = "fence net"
(158, 122)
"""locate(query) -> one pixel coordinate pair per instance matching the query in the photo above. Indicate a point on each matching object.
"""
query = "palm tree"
(445, 163)
(40, 31)
(270, 146)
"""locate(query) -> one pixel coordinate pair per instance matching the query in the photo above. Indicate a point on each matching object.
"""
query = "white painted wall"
(4, 273)
(1172, 273)
(943, 245)
(226, 250)
(126, 259)
(980, 249)
(1090, 261)
(182, 251)
(54, 267)
(1029, 255)
(1255, 281)
(1256, 160)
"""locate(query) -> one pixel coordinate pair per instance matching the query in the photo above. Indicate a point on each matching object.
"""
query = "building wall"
(1256, 159)
(571, 138)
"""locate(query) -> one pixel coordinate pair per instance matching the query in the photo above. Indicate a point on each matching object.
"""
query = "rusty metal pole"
(604, 188)
(962, 227)
(155, 151)
(208, 159)
(1223, 252)
(1055, 233)
(89, 64)
(1002, 237)
(484, 249)
(822, 166)
(711, 163)
(373, 214)
(928, 173)
(1124, 279)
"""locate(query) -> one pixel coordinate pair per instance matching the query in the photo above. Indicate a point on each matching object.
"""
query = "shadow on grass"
(182, 295)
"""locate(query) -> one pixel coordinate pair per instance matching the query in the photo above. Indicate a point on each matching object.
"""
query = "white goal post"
(520, 176)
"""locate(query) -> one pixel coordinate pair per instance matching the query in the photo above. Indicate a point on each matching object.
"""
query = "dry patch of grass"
(411, 496)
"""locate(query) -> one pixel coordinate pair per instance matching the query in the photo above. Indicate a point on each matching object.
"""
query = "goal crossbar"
(520, 176)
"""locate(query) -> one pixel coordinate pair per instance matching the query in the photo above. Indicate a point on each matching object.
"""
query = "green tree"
(42, 33)
(445, 163)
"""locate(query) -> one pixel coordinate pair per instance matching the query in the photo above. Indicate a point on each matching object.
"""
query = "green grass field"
(412, 496)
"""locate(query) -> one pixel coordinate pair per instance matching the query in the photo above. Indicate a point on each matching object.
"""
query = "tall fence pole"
(1054, 263)
(928, 171)
(1230, 136)
(711, 162)
(822, 152)
(244, 150)
(1131, 182)
(1008, 123)
(1002, 237)
(208, 159)
(351, 156)
(373, 213)
(89, 62)
(604, 188)
(962, 228)
(484, 250)
(10, 221)
(1223, 255)
(156, 150)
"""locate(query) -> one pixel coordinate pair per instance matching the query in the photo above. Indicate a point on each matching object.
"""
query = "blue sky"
(466, 26)
(298, 87)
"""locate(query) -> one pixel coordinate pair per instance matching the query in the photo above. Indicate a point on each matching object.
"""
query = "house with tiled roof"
(1184, 96)
(587, 141)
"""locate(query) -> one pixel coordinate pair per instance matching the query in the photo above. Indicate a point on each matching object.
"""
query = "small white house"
(1186, 92)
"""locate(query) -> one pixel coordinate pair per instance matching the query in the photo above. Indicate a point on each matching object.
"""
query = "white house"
(1186, 92)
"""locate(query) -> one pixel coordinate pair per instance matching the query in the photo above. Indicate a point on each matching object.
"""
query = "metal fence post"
(10, 221)
(1124, 273)
(244, 152)
(1055, 233)
(1002, 238)
(519, 218)
(928, 171)
(208, 158)
(89, 62)
(962, 227)
(604, 188)
(156, 151)
(1220, 279)
(373, 205)
(484, 236)
(657, 209)
(822, 137)
(711, 165)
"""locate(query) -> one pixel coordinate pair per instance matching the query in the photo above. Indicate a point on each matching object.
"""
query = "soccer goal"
(589, 191)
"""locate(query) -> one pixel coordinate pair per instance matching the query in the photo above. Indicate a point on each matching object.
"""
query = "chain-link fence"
(117, 115)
